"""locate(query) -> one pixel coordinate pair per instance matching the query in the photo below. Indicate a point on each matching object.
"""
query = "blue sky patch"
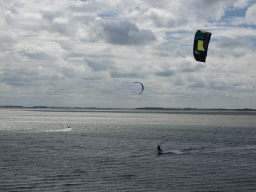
(114, 14)
(235, 13)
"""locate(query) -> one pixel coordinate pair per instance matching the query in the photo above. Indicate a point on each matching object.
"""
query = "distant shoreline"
(141, 110)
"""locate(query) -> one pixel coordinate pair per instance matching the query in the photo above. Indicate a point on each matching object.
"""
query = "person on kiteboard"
(159, 149)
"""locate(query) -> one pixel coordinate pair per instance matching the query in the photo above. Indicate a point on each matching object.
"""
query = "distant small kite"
(201, 42)
(142, 87)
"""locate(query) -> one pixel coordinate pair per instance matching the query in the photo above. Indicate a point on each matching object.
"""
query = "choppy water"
(116, 151)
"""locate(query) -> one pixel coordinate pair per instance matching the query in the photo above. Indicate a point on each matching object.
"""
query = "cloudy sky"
(79, 53)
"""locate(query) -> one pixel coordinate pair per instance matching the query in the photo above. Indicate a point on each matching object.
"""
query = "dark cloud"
(100, 64)
(75, 54)
(179, 53)
(69, 72)
(179, 81)
(49, 15)
(125, 32)
(19, 76)
(115, 74)
(232, 43)
(38, 56)
(68, 45)
(239, 54)
(55, 77)
(237, 47)
(220, 86)
(6, 40)
(198, 85)
(196, 81)
(96, 66)
(85, 19)
(200, 82)
(188, 67)
(67, 29)
(166, 73)
(91, 7)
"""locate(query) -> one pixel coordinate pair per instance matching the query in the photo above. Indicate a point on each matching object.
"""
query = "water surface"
(111, 150)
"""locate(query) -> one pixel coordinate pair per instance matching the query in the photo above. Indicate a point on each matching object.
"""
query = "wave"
(182, 151)
(60, 130)
(175, 152)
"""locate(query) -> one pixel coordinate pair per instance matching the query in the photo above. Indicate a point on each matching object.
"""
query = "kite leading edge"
(142, 87)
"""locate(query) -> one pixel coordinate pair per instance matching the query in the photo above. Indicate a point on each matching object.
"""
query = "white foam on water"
(176, 152)
(60, 130)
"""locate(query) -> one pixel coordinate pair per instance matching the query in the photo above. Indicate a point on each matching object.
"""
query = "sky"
(89, 53)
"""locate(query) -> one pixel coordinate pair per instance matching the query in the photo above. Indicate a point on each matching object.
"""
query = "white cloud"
(251, 14)
(39, 50)
(92, 52)
(239, 4)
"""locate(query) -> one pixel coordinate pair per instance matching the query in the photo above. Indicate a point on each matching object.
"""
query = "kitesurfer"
(159, 149)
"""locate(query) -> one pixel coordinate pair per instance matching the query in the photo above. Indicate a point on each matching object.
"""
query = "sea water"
(115, 150)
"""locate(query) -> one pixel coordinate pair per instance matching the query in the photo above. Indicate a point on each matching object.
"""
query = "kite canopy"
(142, 87)
(201, 42)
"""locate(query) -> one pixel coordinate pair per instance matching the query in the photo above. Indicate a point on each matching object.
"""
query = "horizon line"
(144, 108)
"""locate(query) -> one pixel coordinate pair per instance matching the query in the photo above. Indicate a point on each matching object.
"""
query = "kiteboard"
(160, 152)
